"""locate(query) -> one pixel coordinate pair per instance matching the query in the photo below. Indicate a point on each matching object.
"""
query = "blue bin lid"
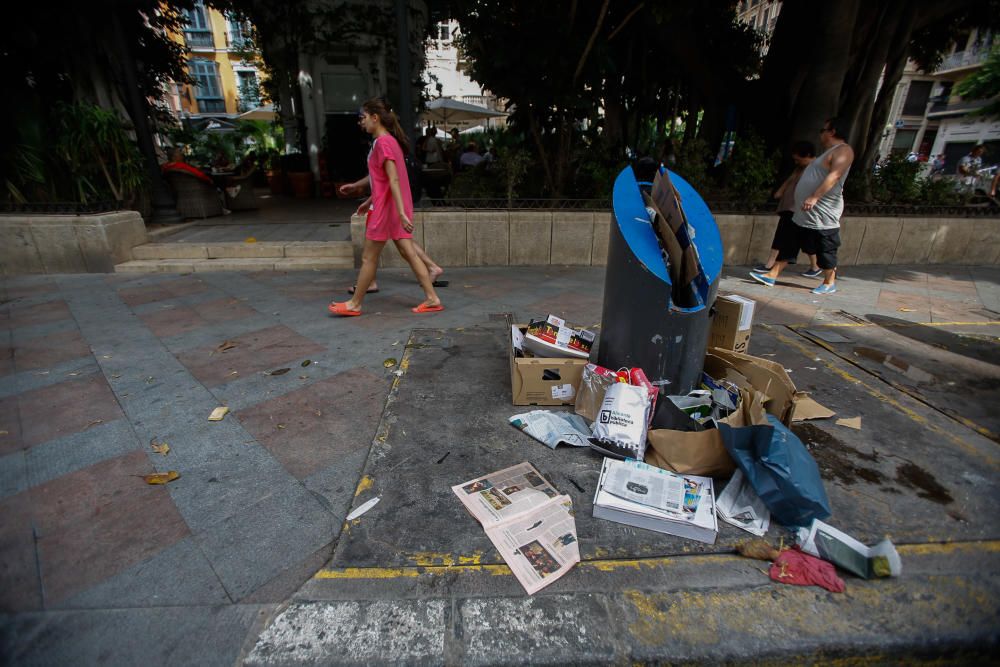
(633, 222)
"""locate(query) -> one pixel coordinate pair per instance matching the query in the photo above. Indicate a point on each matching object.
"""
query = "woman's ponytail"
(378, 106)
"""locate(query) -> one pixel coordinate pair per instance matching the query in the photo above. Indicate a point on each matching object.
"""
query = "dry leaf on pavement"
(218, 413)
(280, 371)
(389, 363)
(161, 477)
(226, 345)
(159, 447)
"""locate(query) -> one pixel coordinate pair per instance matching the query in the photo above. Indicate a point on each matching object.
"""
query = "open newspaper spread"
(528, 521)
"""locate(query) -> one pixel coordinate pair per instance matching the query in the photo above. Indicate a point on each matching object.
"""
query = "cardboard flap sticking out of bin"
(766, 377)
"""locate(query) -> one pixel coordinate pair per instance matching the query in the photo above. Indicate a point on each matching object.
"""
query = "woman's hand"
(407, 223)
(364, 206)
(348, 189)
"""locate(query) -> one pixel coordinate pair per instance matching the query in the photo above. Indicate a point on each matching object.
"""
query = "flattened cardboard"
(806, 408)
(543, 381)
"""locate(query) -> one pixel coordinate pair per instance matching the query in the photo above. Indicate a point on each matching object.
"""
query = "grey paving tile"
(216, 334)
(204, 636)
(13, 474)
(335, 484)
(178, 575)
(37, 378)
(246, 391)
(73, 452)
(250, 548)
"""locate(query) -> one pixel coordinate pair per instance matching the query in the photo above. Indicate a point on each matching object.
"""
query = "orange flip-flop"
(424, 308)
(337, 308)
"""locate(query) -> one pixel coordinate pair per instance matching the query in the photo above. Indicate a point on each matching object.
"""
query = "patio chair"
(242, 185)
(195, 198)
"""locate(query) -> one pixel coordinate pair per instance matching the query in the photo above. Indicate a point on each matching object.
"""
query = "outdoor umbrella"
(446, 111)
(265, 112)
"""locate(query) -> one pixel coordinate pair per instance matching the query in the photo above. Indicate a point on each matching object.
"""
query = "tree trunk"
(819, 97)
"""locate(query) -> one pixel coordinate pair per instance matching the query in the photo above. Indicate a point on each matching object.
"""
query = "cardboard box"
(764, 387)
(542, 381)
(732, 323)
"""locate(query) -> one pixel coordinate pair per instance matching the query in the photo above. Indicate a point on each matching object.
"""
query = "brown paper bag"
(689, 452)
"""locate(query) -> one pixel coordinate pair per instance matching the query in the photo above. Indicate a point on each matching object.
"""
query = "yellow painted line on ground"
(875, 393)
(890, 326)
(613, 565)
(982, 430)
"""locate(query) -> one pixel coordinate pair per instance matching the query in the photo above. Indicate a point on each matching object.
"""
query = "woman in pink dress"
(391, 209)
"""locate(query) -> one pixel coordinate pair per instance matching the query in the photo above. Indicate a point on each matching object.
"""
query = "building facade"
(447, 73)
(227, 80)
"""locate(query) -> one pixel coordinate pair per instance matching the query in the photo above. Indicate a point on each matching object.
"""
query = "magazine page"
(541, 546)
(824, 541)
(505, 494)
(645, 484)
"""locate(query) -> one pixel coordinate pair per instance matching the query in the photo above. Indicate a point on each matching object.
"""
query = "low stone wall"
(68, 243)
(538, 238)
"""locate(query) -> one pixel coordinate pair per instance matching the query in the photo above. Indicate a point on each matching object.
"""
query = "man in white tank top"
(819, 203)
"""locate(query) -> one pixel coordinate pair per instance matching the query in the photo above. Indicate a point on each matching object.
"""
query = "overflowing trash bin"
(664, 264)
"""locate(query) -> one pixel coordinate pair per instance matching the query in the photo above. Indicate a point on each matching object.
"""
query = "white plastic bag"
(620, 427)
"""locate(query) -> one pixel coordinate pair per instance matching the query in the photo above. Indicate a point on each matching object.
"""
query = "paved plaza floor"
(246, 557)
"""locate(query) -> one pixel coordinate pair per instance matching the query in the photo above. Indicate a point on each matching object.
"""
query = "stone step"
(184, 265)
(242, 250)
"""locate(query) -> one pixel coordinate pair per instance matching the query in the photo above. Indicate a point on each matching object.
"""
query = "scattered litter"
(306, 363)
(810, 368)
(554, 428)
(235, 373)
(390, 362)
(806, 408)
(280, 426)
(149, 379)
(303, 377)
(850, 422)
(801, 569)
(788, 370)
(218, 413)
(739, 505)
(907, 310)
(250, 239)
(226, 345)
(161, 477)
(41, 373)
(73, 374)
(94, 423)
(279, 371)
(757, 549)
(441, 460)
(398, 373)
(769, 354)
(4, 432)
(115, 376)
(105, 356)
(825, 541)
(159, 447)
(828, 336)
(364, 508)
(395, 344)
(319, 413)
(529, 522)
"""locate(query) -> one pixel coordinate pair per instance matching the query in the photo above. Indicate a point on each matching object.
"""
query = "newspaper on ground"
(528, 521)
(739, 505)
(694, 519)
(830, 544)
(646, 485)
(554, 428)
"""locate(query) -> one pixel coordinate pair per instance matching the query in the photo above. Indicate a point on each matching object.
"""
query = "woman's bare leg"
(366, 276)
(408, 251)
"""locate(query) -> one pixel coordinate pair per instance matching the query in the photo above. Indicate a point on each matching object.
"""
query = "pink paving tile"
(257, 351)
(65, 408)
(905, 276)
(167, 289)
(50, 350)
(43, 313)
(10, 426)
(783, 311)
(98, 521)
(19, 584)
(181, 319)
(320, 423)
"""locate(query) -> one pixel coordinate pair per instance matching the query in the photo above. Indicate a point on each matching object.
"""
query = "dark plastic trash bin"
(650, 320)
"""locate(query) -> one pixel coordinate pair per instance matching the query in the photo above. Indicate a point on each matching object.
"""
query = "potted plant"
(275, 174)
(300, 178)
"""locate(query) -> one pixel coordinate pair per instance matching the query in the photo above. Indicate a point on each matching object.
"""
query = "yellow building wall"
(220, 54)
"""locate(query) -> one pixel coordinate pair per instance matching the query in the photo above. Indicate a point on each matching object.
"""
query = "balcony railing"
(967, 58)
(954, 108)
(211, 105)
(199, 38)
(247, 103)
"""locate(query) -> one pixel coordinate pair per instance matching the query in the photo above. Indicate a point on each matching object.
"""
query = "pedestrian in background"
(787, 233)
(819, 204)
(391, 209)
